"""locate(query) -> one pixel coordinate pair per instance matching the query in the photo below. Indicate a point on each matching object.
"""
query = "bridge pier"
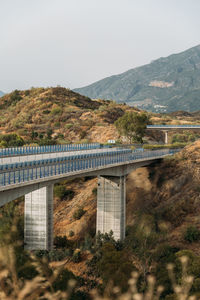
(38, 219)
(111, 205)
(166, 136)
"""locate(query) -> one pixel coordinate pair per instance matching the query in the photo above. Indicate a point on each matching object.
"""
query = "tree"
(132, 125)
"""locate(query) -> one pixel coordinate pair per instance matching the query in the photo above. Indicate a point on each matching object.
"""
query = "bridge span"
(166, 128)
(34, 174)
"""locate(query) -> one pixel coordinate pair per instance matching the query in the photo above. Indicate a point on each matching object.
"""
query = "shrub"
(46, 141)
(78, 213)
(83, 134)
(11, 140)
(60, 284)
(56, 110)
(57, 124)
(61, 192)
(71, 233)
(94, 191)
(61, 241)
(46, 112)
(15, 97)
(191, 234)
(68, 126)
(76, 258)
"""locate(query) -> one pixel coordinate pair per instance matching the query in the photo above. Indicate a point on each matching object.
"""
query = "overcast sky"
(73, 43)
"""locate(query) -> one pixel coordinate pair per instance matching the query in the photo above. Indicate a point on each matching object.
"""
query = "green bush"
(56, 110)
(94, 191)
(68, 126)
(83, 134)
(11, 140)
(192, 234)
(46, 141)
(61, 241)
(57, 124)
(78, 213)
(71, 233)
(15, 97)
(168, 146)
(46, 112)
(61, 192)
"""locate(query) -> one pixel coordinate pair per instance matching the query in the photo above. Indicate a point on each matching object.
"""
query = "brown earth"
(169, 189)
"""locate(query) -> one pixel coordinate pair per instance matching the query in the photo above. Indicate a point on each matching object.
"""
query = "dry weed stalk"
(42, 286)
(182, 290)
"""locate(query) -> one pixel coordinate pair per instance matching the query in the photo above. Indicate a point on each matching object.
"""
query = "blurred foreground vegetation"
(115, 270)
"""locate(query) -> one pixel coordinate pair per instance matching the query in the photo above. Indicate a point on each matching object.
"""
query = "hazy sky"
(73, 43)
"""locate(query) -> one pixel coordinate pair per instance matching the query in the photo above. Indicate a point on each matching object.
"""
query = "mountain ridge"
(154, 86)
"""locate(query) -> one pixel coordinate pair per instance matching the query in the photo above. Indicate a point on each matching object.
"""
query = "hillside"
(165, 85)
(162, 199)
(169, 189)
(1, 93)
(58, 114)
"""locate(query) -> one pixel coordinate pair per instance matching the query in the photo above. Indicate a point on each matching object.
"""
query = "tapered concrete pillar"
(111, 206)
(38, 219)
(166, 136)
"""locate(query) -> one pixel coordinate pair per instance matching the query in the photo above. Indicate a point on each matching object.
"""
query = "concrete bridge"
(166, 128)
(32, 171)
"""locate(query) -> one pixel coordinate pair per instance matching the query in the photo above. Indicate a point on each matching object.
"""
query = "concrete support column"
(38, 219)
(111, 205)
(166, 136)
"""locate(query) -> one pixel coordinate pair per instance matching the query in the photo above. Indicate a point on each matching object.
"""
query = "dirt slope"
(169, 189)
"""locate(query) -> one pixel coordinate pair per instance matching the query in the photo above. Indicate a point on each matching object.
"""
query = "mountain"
(165, 85)
(1, 93)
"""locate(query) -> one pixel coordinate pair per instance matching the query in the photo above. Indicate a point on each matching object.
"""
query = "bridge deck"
(173, 126)
(20, 173)
(30, 150)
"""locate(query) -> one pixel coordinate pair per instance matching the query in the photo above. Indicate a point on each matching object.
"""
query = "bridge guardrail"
(173, 126)
(78, 164)
(14, 151)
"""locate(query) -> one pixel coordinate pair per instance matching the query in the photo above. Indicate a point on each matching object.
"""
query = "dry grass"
(41, 287)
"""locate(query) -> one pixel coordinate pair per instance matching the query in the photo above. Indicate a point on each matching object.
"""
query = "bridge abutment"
(38, 219)
(111, 205)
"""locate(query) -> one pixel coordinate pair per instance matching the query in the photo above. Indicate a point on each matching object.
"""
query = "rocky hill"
(165, 85)
(58, 114)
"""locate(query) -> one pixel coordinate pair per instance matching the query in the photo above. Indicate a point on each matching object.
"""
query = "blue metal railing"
(173, 126)
(47, 161)
(14, 151)
(75, 163)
